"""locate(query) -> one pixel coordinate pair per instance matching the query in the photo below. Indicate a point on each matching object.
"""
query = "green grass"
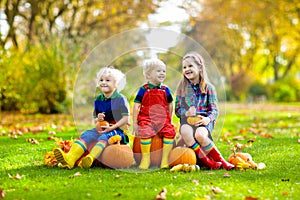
(279, 180)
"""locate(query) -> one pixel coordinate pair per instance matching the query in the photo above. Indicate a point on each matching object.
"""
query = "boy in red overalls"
(152, 112)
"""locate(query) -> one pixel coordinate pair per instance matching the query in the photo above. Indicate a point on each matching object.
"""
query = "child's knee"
(201, 133)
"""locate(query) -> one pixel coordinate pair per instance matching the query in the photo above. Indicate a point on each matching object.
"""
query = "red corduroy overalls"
(154, 117)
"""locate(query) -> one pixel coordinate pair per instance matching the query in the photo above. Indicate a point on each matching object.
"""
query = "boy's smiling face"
(157, 75)
(107, 84)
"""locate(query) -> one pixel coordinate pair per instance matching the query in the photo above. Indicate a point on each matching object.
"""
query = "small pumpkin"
(99, 125)
(234, 159)
(247, 158)
(182, 155)
(155, 150)
(240, 157)
(194, 120)
(117, 156)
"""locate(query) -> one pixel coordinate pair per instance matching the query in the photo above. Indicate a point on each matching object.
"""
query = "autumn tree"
(248, 39)
(42, 45)
(35, 21)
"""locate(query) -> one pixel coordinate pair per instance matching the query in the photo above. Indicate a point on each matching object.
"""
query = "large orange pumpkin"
(182, 155)
(117, 156)
(155, 150)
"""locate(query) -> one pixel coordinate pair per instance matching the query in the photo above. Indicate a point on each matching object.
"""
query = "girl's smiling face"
(107, 84)
(190, 70)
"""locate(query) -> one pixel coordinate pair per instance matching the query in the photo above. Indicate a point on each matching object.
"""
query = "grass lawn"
(274, 127)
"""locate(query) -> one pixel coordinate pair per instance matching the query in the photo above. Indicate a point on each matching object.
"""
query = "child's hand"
(105, 129)
(203, 122)
(191, 112)
(135, 129)
(101, 116)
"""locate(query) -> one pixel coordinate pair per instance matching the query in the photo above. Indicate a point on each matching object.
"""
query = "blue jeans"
(92, 135)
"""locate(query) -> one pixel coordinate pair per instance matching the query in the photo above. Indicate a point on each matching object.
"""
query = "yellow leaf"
(49, 159)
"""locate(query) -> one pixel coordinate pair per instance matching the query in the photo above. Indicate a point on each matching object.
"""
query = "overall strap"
(146, 86)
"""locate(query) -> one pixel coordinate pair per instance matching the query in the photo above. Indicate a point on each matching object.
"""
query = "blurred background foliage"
(254, 44)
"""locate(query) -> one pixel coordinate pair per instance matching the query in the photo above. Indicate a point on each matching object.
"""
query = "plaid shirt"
(206, 104)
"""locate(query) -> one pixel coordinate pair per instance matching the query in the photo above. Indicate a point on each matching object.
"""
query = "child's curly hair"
(119, 77)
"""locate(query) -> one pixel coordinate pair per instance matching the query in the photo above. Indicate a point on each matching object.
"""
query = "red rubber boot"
(216, 155)
(208, 162)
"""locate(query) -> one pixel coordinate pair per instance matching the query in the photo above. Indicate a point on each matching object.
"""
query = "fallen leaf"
(16, 177)
(50, 138)
(64, 145)
(20, 133)
(76, 174)
(242, 131)
(176, 194)
(32, 141)
(51, 133)
(251, 198)
(49, 159)
(226, 175)
(14, 137)
(24, 129)
(118, 194)
(254, 130)
(266, 135)
(261, 166)
(285, 193)
(252, 140)
(162, 195)
(216, 190)
(195, 181)
(238, 147)
(36, 129)
(37, 162)
(248, 144)
(239, 137)
(208, 197)
(2, 193)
